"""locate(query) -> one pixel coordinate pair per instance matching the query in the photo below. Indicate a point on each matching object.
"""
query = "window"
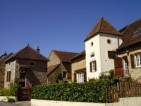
(93, 66)
(64, 74)
(80, 77)
(32, 63)
(109, 41)
(8, 76)
(137, 32)
(92, 44)
(111, 54)
(125, 64)
(138, 60)
(92, 54)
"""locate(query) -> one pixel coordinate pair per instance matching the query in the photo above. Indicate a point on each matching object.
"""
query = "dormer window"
(137, 32)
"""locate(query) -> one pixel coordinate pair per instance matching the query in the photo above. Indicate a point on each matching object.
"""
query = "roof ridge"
(64, 51)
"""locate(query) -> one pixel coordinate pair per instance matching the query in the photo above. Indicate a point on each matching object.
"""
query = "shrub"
(11, 99)
(14, 88)
(4, 92)
(94, 91)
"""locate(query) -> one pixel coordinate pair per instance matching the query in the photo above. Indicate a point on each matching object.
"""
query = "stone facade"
(59, 64)
(134, 72)
(78, 63)
(27, 68)
(53, 59)
(2, 68)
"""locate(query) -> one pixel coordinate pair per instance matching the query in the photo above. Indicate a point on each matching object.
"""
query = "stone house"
(100, 48)
(27, 67)
(2, 67)
(59, 66)
(130, 50)
(78, 68)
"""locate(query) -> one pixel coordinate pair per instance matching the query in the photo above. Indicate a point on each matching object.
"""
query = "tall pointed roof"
(28, 53)
(102, 26)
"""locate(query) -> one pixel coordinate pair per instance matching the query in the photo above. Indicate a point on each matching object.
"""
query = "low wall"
(35, 102)
(5, 98)
(131, 101)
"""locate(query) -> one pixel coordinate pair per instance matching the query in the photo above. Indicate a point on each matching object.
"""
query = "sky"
(59, 24)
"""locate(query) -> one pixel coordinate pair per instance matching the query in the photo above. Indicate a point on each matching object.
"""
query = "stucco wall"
(93, 49)
(106, 63)
(131, 101)
(100, 49)
(11, 66)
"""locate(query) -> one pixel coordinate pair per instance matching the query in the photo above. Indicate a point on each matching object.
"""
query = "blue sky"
(59, 24)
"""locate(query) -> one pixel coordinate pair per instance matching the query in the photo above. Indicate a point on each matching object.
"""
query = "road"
(25, 103)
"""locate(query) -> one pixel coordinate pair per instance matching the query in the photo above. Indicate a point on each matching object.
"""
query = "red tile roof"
(102, 26)
(28, 53)
(64, 56)
(128, 36)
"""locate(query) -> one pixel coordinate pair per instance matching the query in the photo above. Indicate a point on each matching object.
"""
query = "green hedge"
(94, 91)
(11, 91)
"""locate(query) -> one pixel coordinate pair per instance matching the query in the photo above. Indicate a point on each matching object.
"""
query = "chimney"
(38, 49)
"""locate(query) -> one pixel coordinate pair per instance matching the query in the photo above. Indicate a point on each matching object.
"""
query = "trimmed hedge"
(94, 91)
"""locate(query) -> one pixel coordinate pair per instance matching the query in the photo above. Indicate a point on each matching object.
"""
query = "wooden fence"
(123, 89)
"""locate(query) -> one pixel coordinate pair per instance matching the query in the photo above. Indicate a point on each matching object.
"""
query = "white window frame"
(80, 77)
(138, 60)
(126, 65)
(93, 66)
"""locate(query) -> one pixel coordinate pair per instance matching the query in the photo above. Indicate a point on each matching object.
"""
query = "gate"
(24, 94)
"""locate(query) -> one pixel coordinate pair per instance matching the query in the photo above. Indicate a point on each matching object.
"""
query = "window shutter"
(9, 76)
(132, 61)
(85, 78)
(90, 66)
(118, 62)
(74, 77)
(95, 65)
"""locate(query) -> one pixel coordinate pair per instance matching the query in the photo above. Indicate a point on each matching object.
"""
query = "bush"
(13, 89)
(4, 92)
(11, 99)
(93, 91)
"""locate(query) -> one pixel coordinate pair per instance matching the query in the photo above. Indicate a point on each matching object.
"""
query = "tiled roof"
(28, 53)
(78, 55)
(102, 27)
(65, 56)
(51, 69)
(128, 36)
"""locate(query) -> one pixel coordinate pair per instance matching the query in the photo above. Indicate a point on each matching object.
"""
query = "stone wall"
(36, 74)
(136, 71)
(77, 64)
(2, 72)
(53, 59)
(52, 78)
